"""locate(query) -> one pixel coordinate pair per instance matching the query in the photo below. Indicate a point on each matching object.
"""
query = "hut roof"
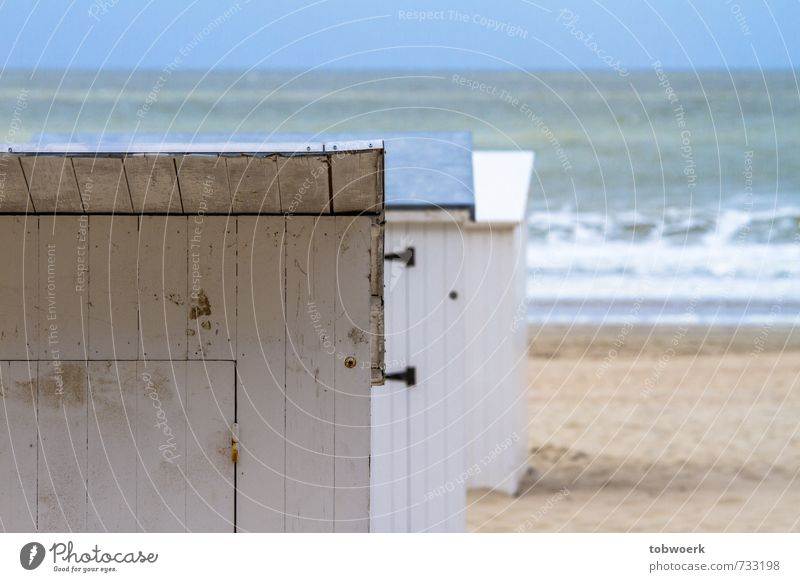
(214, 177)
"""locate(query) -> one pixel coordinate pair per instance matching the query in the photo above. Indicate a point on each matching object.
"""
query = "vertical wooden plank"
(418, 491)
(512, 402)
(112, 458)
(19, 289)
(261, 371)
(455, 465)
(210, 470)
(389, 455)
(161, 445)
(212, 287)
(113, 301)
(18, 447)
(52, 183)
(163, 309)
(62, 464)
(153, 184)
(63, 287)
(352, 385)
(203, 183)
(495, 401)
(476, 345)
(433, 260)
(519, 377)
(310, 360)
(398, 287)
(102, 184)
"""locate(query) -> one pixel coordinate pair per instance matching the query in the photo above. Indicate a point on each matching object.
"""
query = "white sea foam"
(733, 267)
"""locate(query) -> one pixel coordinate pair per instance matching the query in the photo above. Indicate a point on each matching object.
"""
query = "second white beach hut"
(452, 414)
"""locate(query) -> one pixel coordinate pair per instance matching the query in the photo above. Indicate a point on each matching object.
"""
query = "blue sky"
(345, 34)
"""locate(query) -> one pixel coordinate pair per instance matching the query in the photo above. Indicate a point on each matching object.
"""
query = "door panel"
(210, 471)
(62, 446)
(112, 447)
(18, 395)
(123, 446)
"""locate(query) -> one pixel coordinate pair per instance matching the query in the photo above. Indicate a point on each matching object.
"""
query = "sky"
(432, 34)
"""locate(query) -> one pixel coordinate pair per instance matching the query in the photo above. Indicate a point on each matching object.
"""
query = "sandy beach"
(659, 429)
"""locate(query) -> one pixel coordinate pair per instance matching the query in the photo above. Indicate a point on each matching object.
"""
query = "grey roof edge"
(190, 148)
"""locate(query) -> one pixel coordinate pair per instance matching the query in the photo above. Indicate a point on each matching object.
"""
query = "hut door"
(123, 446)
(417, 434)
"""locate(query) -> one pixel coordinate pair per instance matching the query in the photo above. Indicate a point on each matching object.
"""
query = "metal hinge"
(409, 376)
(407, 256)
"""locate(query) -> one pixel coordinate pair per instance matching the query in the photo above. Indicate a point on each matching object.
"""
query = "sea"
(663, 196)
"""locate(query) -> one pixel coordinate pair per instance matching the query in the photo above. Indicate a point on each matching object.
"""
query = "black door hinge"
(409, 376)
(407, 256)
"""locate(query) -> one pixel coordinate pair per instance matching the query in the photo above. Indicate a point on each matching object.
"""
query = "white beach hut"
(189, 334)
(452, 414)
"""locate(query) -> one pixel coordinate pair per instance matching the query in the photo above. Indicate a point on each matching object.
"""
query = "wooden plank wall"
(418, 482)
(496, 421)
(261, 370)
(18, 403)
(389, 470)
(265, 309)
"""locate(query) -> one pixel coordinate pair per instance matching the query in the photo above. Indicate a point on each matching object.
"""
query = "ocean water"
(665, 196)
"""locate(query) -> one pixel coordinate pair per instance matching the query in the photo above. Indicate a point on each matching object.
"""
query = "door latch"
(409, 376)
(408, 256)
(235, 443)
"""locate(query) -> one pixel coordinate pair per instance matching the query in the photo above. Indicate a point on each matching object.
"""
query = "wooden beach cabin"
(189, 335)
(452, 414)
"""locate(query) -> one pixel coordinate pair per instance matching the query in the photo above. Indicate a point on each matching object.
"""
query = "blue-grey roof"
(422, 169)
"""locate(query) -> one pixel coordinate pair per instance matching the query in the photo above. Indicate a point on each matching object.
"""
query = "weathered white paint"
(161, 442)
(211, 292)
(254, 184)
(304, 184)
(203, 184)
(261, 370)
(356, 182)
(14, 195)
(111, 444)
(310, 373)
(62, 473)
(163, 305)
(19, 287)
(63, 287)
(52, 184)
(153, 182)
(214, 178)
(18, 458)
(102, 184)
(113, 296)
(136, 412)
(352, 330)
(210, 415)
(389, 471)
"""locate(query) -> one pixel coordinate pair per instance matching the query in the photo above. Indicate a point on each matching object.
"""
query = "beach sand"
(662, 429)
